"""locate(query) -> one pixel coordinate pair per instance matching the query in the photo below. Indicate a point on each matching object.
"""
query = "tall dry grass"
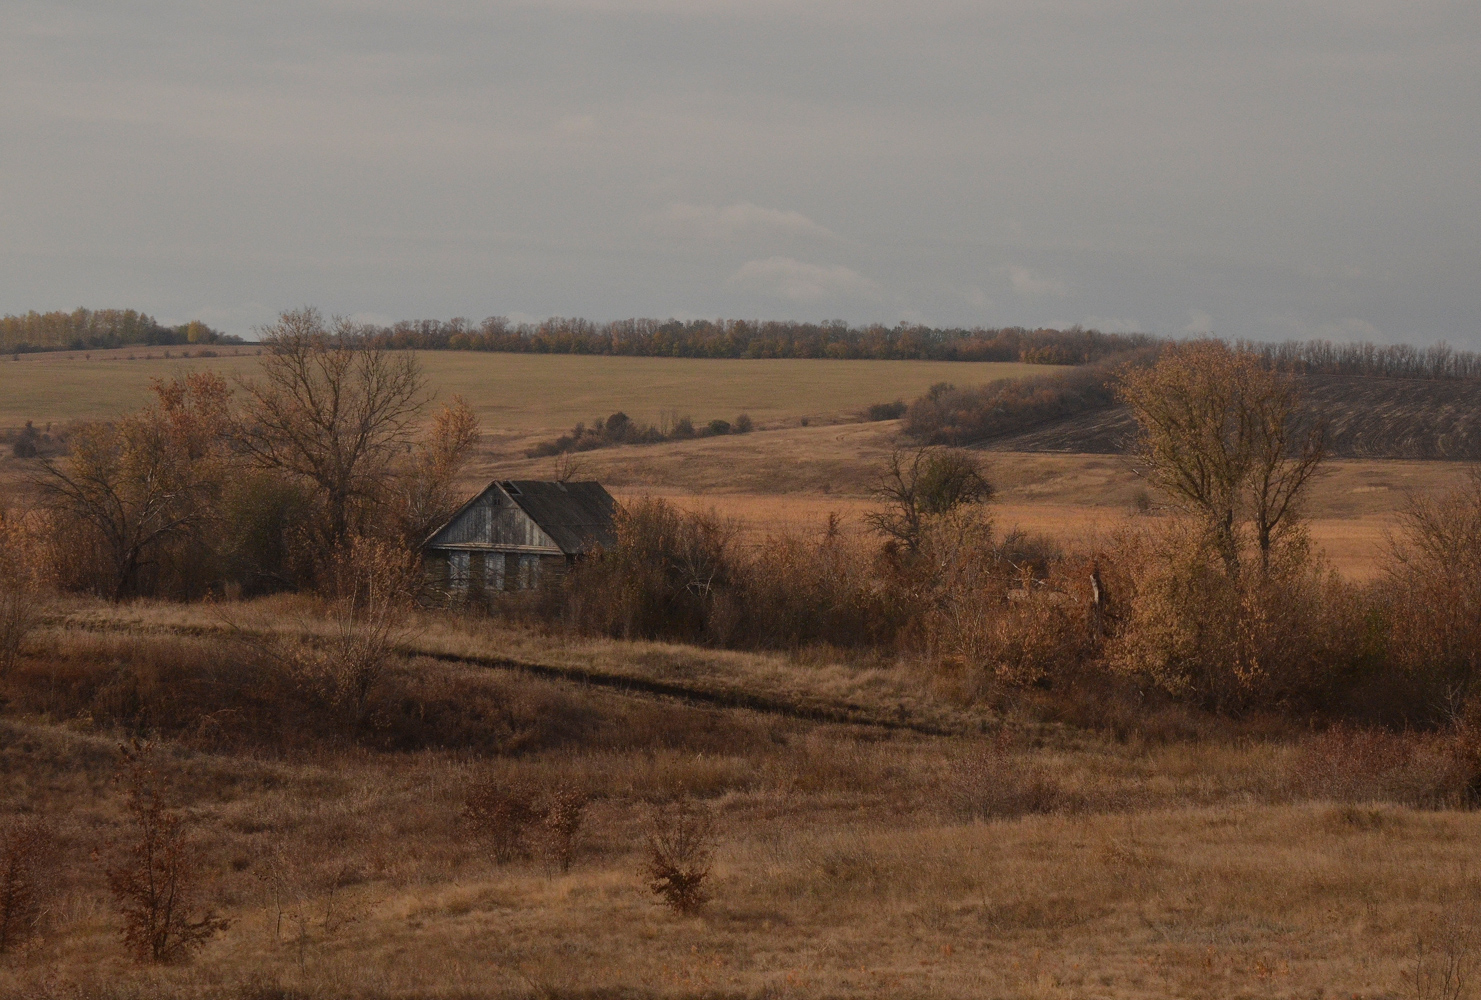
(24, 584)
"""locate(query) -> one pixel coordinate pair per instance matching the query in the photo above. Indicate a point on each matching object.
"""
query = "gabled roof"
(576, 516)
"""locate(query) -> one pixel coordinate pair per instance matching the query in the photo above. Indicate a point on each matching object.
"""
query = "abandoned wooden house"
(515, 533)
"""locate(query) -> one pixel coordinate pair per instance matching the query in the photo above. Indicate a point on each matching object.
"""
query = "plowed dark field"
(1365, 418)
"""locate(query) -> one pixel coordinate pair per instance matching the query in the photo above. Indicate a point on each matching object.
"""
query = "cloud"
(798, 281)
(1034, 285)
(741, 219)
(1200, 323)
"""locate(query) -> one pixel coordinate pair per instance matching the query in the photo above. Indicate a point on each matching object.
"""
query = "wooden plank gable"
(493, 521)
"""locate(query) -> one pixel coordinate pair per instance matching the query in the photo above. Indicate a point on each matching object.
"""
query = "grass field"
(520, 392)
(793, 478)
(992, 856)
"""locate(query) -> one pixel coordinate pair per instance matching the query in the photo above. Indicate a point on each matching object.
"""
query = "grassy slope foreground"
(873, 838)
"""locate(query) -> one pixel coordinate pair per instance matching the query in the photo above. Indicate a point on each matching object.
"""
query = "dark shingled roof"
(577, 516)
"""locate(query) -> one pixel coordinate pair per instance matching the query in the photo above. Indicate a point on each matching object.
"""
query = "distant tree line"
(99, 329)
(757, 339)
(724, 338)
(1323, 357)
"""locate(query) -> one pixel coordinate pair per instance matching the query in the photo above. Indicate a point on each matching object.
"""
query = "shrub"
(26, 855)
(22, 586)
(371, 583)
(918, 486)
(25, 444)
(794, 591)
(989, 781)
(516, 820)
(156, 881)
(1434, 597)
(502, 814)
(951, 416)
(886, 411)
(1287, 637)
(743, 424)
(556, 836)
(718, 427)
(680, 855)
(661, 578)
(1425, 770)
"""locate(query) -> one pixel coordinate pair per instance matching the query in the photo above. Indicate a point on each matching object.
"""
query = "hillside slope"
(1366, 417)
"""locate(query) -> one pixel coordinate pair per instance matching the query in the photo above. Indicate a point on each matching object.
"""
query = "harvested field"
(519, 392)
(793, 478)
(1366, 418)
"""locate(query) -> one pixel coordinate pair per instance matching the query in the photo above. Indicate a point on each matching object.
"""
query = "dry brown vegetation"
(1186, 857)
(916, 755)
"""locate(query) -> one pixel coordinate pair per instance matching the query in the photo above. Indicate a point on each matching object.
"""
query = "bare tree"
(928, 482)
(333, 409)
(1218, 436)
(145, 478)
(426, 487)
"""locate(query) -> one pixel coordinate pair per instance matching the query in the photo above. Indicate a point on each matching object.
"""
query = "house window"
(529, 572)
(457, 571)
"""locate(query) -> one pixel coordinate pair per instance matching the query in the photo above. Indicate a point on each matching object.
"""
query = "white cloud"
(1200, 323)
(798, 281)
(741, 219)
(1032, 284)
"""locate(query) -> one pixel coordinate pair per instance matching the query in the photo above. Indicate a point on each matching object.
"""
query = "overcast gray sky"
(1266, 170)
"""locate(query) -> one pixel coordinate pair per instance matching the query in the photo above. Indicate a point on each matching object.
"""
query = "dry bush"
(948, 415)
(990, 780)
(371, 584)
(1447, 954)
(794, 591)
(23, 588)
(1434, 596)
(423, 493)
(660, 580)
(918, 487)
(680, 855)
(1284, 638)
(1422, 770)
(27, 854)
(518, 820)
(556, 837)
(503, 814)
(1013, 611)
(303, 899)
(157, 880)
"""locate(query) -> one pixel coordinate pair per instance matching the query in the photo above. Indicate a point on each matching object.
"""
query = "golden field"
(520, 392)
